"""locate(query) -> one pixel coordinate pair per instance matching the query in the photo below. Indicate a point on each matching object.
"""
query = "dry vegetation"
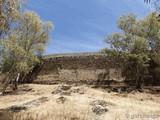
(39, 102)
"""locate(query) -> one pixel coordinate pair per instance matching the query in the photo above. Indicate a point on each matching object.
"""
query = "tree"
(22, 48)
(9, 14)
(137, 44)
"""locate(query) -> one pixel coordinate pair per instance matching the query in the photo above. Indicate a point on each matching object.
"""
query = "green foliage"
(10, 12)
(137, 44)
(27, 41)
(23, 38)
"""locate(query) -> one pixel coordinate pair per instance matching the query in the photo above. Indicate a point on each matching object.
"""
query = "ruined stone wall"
(82, 67)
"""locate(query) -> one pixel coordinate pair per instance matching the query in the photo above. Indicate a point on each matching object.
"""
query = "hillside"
(64, 102)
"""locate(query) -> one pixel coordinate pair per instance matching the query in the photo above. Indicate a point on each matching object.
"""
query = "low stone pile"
(119, 89)
(67, 90)
(36, 102)
(62, 90)
(61, 100)
(100, 107)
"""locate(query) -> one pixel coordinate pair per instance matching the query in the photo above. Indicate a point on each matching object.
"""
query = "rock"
(65, 93)
(129, 90)
(61, 100)
(99, 110)
(1, 93)
(78, 90)
(16, 108)
(114, 89)
(139, 90)
(119, 90)
(36, 102)
(42, 99)
(27, 89)
(65, 87)
(63, 90)
(75, 90)
(109, 91)
(94, 86)
(57, 91)
(32, 103)
(101, 102)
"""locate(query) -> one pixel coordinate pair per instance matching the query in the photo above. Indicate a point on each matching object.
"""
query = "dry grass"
(78, 106)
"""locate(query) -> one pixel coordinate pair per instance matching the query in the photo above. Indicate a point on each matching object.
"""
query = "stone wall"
(81, 67)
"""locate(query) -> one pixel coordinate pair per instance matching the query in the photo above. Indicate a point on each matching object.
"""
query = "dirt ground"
(63, 102)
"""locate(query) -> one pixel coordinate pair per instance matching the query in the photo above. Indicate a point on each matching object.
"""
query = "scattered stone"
(1, 93)
(16, 108)
(27, 89)
(78, 90)
(63, 90)
(119, 90)
(139, 90)
(114, 89)
(94, 86)
(75, 90)
(65, 93)
(42, 99)
(123, 89)
(101, 102)
(36, 102)
(65, 87)
(32, 103)
(129, 90)
(61, 100)
(57, 91)
(99, 110)
(109, 91)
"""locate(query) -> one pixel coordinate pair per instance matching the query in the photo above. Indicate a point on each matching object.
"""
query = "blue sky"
(82, 25)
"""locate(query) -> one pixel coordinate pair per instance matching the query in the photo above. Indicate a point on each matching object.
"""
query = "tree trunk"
(139, 79)
(16, 82)
(6, 84)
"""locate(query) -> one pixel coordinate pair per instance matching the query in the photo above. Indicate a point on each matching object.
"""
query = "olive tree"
(22, 48)
(9, 14)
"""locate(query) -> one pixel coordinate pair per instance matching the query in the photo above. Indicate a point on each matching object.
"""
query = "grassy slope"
(78, 106)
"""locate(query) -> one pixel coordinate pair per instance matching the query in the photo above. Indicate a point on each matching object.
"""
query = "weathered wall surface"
(82, 67)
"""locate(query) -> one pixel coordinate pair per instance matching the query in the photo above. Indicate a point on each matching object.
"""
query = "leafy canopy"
(9, 13)
(27, 41)
(137, 44)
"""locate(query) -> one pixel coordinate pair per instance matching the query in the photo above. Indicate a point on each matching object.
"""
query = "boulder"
(78, 90)
(68, 93)
(99, 110)
(65, 87)
(101, 102)
(61, 100)
(63, 90)
(17, 108)
(57, 91)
